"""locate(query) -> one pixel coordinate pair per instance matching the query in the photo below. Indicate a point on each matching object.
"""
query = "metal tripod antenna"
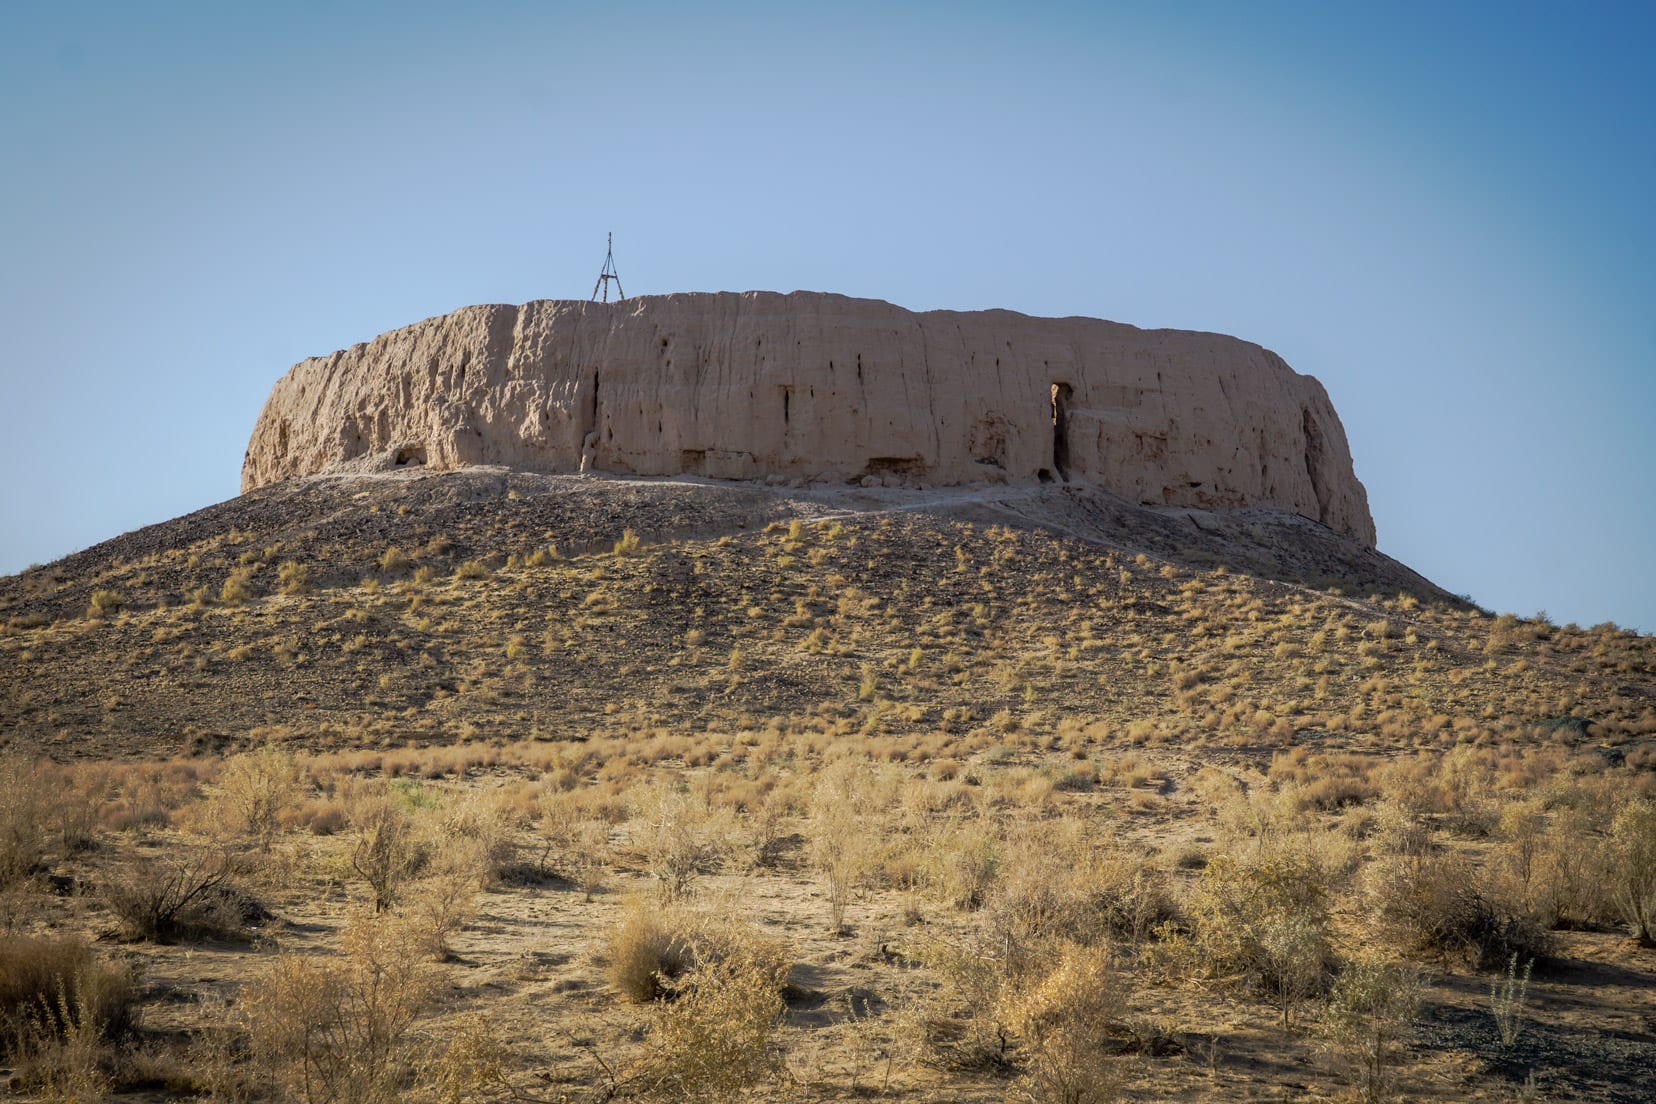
(607, 274)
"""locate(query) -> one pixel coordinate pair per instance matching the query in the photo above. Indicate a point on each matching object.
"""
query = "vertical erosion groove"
(1314, 461)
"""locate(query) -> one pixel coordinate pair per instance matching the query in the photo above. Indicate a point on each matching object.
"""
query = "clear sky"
(1444, 211)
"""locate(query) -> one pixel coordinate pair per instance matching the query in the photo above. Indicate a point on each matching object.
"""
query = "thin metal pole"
(608, 273)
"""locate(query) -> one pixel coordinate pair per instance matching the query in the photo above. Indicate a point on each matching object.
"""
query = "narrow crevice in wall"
(1060, 430)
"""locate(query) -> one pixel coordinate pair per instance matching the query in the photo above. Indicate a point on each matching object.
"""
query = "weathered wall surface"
(821, 388)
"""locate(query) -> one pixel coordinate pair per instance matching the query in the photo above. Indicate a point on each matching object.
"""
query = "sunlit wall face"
(1442, 215)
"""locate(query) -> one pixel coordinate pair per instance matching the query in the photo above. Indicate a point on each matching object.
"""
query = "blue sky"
(1442, 211)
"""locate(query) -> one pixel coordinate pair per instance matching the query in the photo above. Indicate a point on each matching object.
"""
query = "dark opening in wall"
(1060, 429)
(411, 454)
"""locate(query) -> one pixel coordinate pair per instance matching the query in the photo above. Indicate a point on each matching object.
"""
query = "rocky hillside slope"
(817, 388)
(493, 604)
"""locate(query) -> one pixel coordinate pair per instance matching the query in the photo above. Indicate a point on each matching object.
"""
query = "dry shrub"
(61, 1011)
(72, 1066)
(191, 895)
(485, 821)
(653, 948)
(445, 899)
(145, 795)
(322, 816)
(238, 586)
(22, 818)
(341, 1028)
(1365, 1024)
(294, 577)
(1063, 1022)
(1555, 864)
(1215, 786)
(79, 794)
(53, 985)
(573, 842)
(1632, 853)
(388, 851)
(766, 820)
(478, 1060)
(1325, 781)
(1071, 882)
(1260, 923)
(646, 951)
(715, 1039)
(1050, 1006)
(1453, 785)
(966, 860)
(394, 561)
(104, 603)
(1130, 770)
(1573, 888)
(1398, 831)
(1257, 812)
(844, 839)
(256, 791)
(1431, 902)
(962, 1024)
(1522, 831)
(474, 1062)
(681, 836)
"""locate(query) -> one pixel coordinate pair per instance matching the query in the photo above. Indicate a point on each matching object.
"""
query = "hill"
(429, 605)
(578, 787)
